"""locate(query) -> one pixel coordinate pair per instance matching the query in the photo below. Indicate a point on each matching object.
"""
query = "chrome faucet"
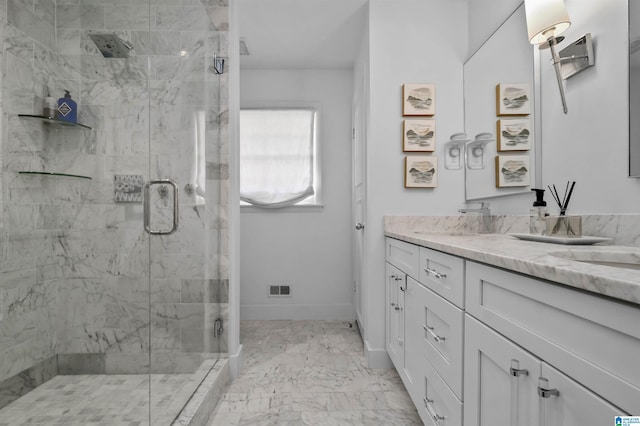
(485, 216)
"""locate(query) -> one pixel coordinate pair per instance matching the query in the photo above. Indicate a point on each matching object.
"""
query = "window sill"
(310, 208)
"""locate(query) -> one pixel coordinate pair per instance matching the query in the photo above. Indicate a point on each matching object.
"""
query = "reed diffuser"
(563, 225)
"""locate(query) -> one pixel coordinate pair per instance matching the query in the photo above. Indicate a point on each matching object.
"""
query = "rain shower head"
(111, 46)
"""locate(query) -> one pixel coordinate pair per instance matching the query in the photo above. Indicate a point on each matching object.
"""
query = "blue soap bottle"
(67, 109)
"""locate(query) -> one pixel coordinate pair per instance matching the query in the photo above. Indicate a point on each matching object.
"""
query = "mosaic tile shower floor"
(100, 400)
(310, 373)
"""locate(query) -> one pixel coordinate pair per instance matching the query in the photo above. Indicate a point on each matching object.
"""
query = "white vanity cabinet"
(477, 345)
(588, 349)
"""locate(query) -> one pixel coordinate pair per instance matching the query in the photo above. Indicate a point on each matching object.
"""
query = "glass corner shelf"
(53, 122)
(55, 174)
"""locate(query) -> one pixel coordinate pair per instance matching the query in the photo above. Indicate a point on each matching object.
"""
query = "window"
(278, 161)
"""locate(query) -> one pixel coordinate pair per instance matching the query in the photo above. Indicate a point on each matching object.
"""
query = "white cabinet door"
(396, 284)
(500, 379)
(565, 402)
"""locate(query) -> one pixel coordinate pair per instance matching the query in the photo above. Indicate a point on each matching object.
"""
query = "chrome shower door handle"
(147, 206)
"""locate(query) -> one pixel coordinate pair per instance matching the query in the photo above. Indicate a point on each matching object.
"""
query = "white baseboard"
(342, 312)
(377, 358)
(235, 363)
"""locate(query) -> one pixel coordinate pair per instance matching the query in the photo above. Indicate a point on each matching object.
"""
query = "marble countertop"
(552, 262)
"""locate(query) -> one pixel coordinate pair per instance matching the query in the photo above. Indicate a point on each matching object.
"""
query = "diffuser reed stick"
(564, 203)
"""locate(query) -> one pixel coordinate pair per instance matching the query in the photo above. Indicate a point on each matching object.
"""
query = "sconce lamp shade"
(546, 19)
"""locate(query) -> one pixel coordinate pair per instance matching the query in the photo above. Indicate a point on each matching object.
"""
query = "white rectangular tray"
(584, 240)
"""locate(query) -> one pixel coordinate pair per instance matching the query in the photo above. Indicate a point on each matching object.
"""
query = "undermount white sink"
(613, 259)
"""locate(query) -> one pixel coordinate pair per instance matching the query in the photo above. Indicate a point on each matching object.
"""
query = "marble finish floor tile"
(310, 373)
(101, 400)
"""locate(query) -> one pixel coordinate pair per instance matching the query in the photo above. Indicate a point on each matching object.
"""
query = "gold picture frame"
(418, 99)
(419, 135)
(420, 171)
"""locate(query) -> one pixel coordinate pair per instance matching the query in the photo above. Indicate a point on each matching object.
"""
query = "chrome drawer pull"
(435, 273)
(438, 339)
(517, 373)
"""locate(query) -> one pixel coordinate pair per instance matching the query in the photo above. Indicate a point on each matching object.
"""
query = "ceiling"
(301, 34)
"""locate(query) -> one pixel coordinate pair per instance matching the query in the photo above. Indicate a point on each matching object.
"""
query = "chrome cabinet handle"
(435, 416)
(543, 389)
(438, 339)
(147, 206)
(359, 227)
(435, 273)
(547, 393)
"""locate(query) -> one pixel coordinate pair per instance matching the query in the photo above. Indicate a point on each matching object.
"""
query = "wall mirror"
(506, 59)
(634, 89)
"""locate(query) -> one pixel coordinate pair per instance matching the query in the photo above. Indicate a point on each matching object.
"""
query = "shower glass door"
(113, 240)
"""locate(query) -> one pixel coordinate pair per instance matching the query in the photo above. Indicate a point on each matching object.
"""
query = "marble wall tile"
(94, 67)
(20, 384)
(33, 21)
(174, 18)
(219, 17)
(80, 17)
(69, 42)
(126, 363)
(205, 291)
(70, 364)
(20, 85)
(17, 43)
(165, 291)
(127, 18)
(155, 42)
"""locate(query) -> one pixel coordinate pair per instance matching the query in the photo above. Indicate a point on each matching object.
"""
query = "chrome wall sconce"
(546, 20)
(577, 57)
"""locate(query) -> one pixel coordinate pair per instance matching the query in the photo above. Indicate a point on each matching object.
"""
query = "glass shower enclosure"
(114, 228)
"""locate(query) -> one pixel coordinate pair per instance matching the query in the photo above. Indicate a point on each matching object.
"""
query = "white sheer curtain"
(276, 156)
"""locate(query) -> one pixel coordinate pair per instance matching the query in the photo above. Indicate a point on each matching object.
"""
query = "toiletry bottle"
(49, 107)
(67, 109)
(537, 214)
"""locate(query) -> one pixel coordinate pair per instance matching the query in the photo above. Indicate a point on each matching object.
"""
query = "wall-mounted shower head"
(111, 46)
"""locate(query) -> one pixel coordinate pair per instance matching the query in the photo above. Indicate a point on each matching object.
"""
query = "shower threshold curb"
(205, 398)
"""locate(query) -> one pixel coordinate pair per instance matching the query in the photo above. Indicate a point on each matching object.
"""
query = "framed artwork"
(418, 99)
(514, 134)
(512, 170)
(513, 99)
(419, 135)
(420, 172)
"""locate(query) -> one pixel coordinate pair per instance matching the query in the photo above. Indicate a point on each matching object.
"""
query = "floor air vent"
(279, 290)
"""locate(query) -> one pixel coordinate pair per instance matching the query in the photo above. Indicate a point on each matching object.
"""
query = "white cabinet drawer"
(594, 340)
(436, 404)
(434, 332)
(403, 256)
(444, 274)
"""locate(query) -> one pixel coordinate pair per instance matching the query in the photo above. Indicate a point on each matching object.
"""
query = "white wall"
(590, 143)
(310, 250)
(406, 46)
(485, 16)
